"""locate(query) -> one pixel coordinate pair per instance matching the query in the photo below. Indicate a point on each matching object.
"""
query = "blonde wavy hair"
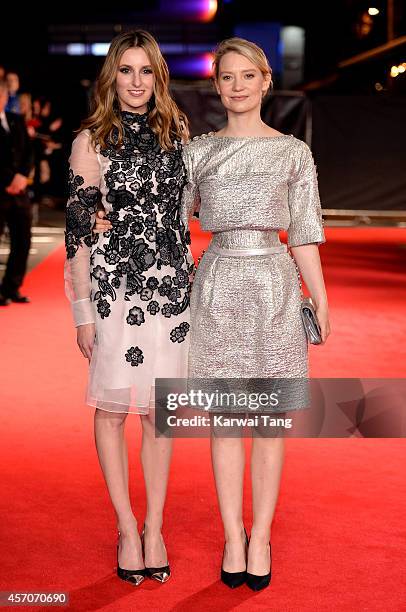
(165, 118)
(249, 50)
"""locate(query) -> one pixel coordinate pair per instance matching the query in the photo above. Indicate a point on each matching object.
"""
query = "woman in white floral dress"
(130, 286)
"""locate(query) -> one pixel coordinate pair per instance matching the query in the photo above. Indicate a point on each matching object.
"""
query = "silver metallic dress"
(245, 303)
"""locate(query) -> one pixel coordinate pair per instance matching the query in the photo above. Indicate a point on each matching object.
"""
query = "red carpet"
(338, 535)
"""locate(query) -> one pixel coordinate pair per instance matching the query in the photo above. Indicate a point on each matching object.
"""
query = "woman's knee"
(114, 420)
(148, 422)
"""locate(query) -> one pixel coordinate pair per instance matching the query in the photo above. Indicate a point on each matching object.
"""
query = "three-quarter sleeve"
(83, 200)
(190, 195)
(306, 223)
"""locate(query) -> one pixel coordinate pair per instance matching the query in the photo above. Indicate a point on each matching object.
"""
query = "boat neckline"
(214, 135)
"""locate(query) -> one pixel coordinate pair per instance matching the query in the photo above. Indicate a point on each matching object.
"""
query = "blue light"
(76, 49)
(100, 48)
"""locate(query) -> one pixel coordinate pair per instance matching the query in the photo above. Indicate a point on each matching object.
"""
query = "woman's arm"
(306, 232)
(308, 261)
(84, 197)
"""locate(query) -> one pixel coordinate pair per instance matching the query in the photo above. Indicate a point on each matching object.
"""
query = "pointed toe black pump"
(234, 579)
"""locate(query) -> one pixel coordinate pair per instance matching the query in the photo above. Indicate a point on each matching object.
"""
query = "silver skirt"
(245, 310)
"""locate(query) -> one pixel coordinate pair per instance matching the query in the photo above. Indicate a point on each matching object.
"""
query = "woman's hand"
(102, 224)
(308, 261)
(85, 338)
(323, 319)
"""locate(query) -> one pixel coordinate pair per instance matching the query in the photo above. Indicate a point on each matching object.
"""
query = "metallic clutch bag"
(310, 322)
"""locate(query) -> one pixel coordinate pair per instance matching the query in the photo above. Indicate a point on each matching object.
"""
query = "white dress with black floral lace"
(134, 281)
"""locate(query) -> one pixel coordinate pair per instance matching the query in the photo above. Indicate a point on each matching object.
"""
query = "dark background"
(353, 117)
(330, 26)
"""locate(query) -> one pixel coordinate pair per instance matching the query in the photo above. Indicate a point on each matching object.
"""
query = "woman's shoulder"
(296, 147)
(210, 142)
(301, 150)
(196, 141)
(300, 144)
(82, 138)
(83, 144)
(203, 136)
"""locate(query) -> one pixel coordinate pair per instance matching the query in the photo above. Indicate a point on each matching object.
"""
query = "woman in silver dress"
(248, 181)
(130, 286)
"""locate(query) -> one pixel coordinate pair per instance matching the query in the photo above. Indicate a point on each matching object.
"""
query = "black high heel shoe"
(257, 583)
(135, 577)
(160, 574)
(234, 579)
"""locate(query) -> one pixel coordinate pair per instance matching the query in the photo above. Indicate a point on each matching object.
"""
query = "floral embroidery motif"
(135, 356)
(82, 204)
(178, 334)
(153, 307)
(144, 184)
(135, 316)
(103, 308)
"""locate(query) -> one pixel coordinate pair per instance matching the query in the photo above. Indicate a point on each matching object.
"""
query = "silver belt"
(280, 248)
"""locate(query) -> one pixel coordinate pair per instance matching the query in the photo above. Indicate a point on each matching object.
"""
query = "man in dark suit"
(16, 163)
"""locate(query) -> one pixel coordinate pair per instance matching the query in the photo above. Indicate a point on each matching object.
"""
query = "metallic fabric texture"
(245, 307)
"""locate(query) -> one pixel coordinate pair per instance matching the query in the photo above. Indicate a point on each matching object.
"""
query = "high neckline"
(131, 117)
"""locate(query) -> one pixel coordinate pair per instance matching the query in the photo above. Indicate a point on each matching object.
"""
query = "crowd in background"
(33, 167)
(47, 132)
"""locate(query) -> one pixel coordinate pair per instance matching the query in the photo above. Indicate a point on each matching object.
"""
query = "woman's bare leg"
(228, 460)
(156, 456)
(266, 468)
(113, 458)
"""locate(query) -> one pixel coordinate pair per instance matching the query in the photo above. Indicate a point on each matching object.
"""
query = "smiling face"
(134, 80)
(240, 83)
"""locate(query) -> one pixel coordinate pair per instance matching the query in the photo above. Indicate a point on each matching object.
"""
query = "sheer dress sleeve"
(83, 201)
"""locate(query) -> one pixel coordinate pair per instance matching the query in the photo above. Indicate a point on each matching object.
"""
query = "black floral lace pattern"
(82, 204)
(178, 334)
(134, 356)
(145, 254)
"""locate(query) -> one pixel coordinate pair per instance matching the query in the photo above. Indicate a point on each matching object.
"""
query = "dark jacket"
(16, 152)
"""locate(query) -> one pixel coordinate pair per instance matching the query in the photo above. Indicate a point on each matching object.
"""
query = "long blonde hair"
(246, 48)
(165, 118)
